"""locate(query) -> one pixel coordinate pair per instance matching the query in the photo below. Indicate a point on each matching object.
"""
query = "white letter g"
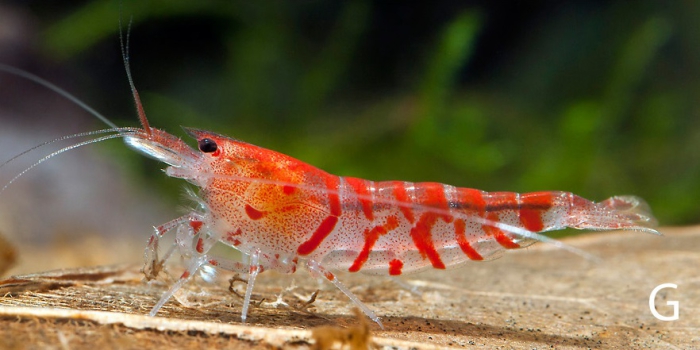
(673, 303)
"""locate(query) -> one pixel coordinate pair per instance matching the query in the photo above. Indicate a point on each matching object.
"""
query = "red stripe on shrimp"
(498, 235)
(333, 182)
(432, 194)
(328, 224)
(532, 205)
(360, 187)
(405, 202)
(469, 198)
(495, 201)
(500, 202)
(422, 238)
(467, 249)
(318, 236)
(371, 237)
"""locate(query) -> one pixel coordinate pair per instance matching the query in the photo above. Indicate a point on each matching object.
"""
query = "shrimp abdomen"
(409, 226)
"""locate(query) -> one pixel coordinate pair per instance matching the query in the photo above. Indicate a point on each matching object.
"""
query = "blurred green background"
(597, 98)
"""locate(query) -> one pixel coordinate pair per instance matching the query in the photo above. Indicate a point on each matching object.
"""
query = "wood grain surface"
(532, 299)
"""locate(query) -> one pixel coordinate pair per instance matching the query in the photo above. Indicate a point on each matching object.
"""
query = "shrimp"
(281, 212)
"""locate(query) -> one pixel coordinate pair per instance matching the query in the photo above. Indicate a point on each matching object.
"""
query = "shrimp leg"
(194, 243)
(152, 263)
(192, 267)
(252, 269)
(255, 269)
(319, 271)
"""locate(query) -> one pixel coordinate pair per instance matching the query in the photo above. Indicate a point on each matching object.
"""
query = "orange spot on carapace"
(253, 213)
(288, 189)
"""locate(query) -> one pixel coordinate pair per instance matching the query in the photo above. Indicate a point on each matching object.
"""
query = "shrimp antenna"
(63, 150)
(56, 89)
(127, 66)
(63, 138)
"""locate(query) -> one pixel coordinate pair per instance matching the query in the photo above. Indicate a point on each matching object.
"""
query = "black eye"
(207, 145)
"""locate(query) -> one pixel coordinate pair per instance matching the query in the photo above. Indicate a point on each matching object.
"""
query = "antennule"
(125, 57)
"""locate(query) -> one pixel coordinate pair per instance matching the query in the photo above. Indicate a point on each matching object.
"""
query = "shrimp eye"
(207, 145)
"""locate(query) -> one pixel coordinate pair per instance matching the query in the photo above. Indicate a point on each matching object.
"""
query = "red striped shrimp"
(281, 213)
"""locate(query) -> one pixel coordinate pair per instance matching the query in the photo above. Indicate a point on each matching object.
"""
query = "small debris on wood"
(354, 338)
(305, 305)
(237, 278)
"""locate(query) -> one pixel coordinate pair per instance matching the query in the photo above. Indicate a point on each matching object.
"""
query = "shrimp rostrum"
(281, 212)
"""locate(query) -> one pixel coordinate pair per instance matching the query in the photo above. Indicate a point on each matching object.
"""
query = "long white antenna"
(58, 90)
(62, 150)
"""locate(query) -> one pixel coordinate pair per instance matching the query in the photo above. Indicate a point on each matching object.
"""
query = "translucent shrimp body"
(281, 212)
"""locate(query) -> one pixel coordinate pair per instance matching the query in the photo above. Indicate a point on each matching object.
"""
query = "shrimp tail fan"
(614, 213)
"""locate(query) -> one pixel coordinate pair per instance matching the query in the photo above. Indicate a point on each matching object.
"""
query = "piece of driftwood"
(540, 297)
